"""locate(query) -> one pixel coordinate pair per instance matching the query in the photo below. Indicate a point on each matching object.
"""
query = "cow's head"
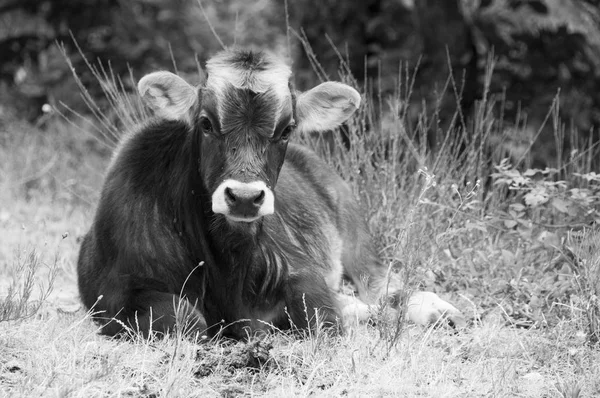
(244, 115)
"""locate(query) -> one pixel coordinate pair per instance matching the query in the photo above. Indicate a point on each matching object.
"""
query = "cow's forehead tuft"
(255, 71)
(258, 72)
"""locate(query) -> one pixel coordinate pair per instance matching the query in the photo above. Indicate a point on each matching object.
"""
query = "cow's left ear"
(326, 106)
(168, 95)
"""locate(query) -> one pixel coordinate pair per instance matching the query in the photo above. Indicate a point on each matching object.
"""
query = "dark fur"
(154, 226)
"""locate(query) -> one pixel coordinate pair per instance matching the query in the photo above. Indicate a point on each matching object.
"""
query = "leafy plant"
(540, 197)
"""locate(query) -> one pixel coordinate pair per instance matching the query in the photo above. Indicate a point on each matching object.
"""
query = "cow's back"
(316, 209)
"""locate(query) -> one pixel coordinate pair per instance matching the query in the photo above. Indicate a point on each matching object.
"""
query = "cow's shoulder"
(150, 154)
(140, 207)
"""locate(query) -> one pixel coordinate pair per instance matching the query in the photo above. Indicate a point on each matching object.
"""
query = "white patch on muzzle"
(220, 205)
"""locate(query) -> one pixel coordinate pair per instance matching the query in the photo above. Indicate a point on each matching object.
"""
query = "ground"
(49, 183)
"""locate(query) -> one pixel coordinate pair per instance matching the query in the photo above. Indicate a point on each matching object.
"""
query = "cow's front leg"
(150, 312)
(310, 303)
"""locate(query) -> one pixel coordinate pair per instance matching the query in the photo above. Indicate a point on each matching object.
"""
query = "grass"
(517, 254)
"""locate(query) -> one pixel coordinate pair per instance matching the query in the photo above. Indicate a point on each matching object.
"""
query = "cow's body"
(230, 242)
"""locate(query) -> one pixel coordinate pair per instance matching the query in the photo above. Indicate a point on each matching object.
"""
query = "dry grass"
(61, 355)
(433, 220)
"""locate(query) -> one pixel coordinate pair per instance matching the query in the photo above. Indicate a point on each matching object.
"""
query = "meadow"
(516, 249)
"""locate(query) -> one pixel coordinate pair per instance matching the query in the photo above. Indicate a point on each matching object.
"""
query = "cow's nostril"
(260, 198)
(229, 194)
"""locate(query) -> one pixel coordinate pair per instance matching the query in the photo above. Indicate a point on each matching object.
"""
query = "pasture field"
(517, 253)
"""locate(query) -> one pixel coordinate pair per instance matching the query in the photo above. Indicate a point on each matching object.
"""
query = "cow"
(212, 222)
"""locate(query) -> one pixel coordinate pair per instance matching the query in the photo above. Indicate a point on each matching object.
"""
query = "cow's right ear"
(168, 95)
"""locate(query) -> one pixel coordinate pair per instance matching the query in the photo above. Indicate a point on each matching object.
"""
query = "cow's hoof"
(425, 308)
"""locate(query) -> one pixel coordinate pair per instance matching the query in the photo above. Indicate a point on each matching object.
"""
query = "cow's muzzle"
(243, 201)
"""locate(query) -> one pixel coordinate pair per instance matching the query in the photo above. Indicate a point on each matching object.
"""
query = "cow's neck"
(250, 269)
(244, 250)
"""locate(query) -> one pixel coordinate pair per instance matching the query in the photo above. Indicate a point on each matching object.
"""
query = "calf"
(209, 217)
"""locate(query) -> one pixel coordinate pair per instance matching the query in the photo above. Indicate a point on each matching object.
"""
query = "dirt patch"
(230, 356)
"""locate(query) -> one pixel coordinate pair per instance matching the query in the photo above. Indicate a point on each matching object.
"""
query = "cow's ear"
(326, 106)
(168, 95)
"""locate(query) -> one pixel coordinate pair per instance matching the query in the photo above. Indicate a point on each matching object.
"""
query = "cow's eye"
(285, 134)
(206, 125)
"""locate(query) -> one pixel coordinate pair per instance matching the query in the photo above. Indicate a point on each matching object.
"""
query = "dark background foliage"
(541, 48)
